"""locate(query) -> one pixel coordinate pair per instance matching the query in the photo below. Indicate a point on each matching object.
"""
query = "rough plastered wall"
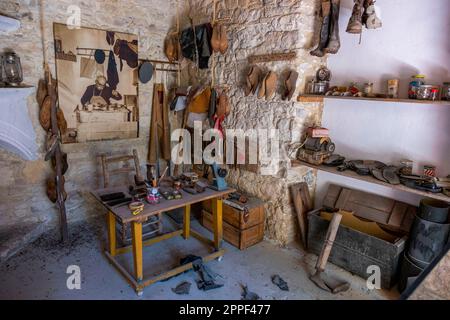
(436, 286)
(264, 27)
(22, 183)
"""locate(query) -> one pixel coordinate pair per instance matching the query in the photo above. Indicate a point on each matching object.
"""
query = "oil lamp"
(13, 69)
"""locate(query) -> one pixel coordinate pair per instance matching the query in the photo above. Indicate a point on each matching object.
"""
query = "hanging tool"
(329, 284)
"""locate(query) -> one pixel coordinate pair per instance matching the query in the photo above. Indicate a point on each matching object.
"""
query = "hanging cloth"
(201, 41)
(159, 146)
(113, 75)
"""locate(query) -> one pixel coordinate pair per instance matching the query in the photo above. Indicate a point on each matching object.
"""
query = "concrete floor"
(39, 271)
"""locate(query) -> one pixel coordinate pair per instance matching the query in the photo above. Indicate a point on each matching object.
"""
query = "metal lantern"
(13, 69)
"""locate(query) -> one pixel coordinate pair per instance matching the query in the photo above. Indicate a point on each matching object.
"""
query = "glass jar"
(393, 88)
(310, 87)
(424, 92)
(368, 88)
(416, 81)
(13, 69)
(435, 93)
(446, 91)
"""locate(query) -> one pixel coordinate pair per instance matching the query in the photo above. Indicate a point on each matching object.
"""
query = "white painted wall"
(414, 38)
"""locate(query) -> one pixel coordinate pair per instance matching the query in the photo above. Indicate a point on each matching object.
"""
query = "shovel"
(329, 284)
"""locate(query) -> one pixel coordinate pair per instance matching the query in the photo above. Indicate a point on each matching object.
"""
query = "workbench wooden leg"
(187, 221)
(217, 221)
(111, 223)
(136, 230)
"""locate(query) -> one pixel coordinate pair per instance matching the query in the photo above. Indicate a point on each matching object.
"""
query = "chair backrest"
(107, 172)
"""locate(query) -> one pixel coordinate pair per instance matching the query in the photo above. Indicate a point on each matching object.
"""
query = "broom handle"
(329, 240)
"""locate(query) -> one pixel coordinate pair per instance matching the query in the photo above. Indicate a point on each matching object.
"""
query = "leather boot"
(334, 43)
(370, 18)
(324, 30)
(355, 22)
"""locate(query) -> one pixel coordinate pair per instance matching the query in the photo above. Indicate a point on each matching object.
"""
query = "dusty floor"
(39, 271)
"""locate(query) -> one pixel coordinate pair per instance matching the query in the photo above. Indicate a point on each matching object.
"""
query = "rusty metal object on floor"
(183, 288)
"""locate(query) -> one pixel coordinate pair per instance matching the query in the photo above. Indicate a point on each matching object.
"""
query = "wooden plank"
(320, 98)
(151, 241)
(217, 221)
(124, 215)
(187, 221)
(182, 268)
(370, 179)
(122, 270)
(111, 223)
(272, 57)
(301, 211)
(136, 229)
(121, 170)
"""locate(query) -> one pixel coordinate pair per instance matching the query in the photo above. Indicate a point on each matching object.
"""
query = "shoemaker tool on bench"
(136, 207)
(328, 284)
(219, 182)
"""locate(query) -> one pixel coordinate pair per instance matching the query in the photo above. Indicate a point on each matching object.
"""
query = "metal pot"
(434, 210)
(427, 240)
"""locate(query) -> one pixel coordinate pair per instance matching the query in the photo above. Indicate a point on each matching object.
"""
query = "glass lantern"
(13, 69)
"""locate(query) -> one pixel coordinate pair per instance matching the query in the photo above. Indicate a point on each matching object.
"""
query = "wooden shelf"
(320, 98)
(21, 86)
(370, 179)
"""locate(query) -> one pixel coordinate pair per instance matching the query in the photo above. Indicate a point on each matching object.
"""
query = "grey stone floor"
(39, 271)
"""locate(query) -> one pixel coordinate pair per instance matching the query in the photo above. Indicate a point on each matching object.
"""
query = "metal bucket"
(434, 210)
(408, 273)
(427, 240)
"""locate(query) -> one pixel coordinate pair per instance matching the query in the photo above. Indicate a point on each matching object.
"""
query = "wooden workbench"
(124, 215)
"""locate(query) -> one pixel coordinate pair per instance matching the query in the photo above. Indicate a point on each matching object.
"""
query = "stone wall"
(264, 27)
(277, 26)
(22, 183)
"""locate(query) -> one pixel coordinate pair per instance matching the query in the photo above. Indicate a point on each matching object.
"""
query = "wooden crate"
(355, 251)
(239, 219)
(241, 239)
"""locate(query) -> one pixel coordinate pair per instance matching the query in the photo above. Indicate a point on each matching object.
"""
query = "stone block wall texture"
(263, 27)
(22, 183)
(256, 27)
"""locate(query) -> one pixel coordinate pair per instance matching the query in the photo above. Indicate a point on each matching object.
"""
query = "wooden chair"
(150, 227)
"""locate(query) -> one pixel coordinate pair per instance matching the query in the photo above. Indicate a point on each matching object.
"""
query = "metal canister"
(429, 171)
(416, 81)
(321, 87)
(393, 88)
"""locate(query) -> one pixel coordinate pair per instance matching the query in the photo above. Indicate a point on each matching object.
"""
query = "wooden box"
(240, 228)
(240, 219)
(354, 251)
(241, 239)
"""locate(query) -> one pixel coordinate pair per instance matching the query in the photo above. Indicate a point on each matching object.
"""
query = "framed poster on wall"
(96, 91)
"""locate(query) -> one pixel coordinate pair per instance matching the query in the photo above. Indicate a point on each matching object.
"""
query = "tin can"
(393, 88)
(429, 171)
(406, 166)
